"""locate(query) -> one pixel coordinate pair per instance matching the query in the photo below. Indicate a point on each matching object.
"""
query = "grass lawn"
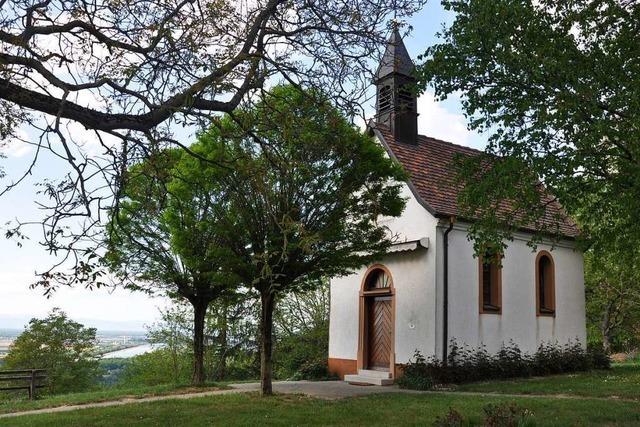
(621, 381)
(388, 409)
(22, 404)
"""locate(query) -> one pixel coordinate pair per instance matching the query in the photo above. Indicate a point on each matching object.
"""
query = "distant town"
(110, 343)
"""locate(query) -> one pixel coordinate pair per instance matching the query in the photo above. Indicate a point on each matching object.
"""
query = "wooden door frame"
(365, 297)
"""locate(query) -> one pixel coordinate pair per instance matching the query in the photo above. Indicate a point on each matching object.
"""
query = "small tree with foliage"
(612, 280)
(229, 342)
(158, 241)
(302, 334)
(66, 349)
(300, 200)
(174, 333)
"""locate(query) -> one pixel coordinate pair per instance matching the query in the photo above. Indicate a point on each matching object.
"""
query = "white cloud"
(436, 121)
(16, 146)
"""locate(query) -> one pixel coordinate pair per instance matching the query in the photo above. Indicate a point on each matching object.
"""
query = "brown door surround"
(377, 321)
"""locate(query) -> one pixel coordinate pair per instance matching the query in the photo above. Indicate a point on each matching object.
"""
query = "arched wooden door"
(377, 321)
(379, 326)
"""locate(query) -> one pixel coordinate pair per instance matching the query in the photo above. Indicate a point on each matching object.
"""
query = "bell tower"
(396, 105)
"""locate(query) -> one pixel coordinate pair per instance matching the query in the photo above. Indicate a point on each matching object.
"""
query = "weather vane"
(396, 23)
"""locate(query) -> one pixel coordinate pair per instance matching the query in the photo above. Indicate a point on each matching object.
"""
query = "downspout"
(445, 292)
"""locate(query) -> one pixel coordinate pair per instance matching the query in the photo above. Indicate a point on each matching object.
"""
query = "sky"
(123, 310)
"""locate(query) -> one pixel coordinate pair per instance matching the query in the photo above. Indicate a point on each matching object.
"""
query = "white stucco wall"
(414, 278)
(414, 327)
(418, 280)
(414, 223)
(518, 321)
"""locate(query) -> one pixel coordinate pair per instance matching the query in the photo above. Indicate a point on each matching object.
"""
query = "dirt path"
(339, 390)
(330, 390)
(119, 402)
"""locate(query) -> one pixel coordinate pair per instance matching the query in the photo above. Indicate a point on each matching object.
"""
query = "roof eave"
(374, 131)
(443, 215)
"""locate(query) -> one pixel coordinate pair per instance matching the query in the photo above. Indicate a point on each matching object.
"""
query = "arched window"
(377, 279)
(545, 284)
(490, 278)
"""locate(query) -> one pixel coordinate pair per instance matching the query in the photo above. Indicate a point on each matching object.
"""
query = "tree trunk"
(174, 363)
(199, 313)
(605, 328)
(222, 360)
(266, 342)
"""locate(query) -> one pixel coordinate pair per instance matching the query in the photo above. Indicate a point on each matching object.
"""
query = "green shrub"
(512, 363)
(302, 355)
(416, 374)
(599, 358)
(507, 415)
(316, 369)
(160, 366)
(468, 365)
(452, 419)
(502, 415)
(112, 369)
(243, 365)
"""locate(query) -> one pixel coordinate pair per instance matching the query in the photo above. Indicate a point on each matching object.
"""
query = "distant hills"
(14, 325)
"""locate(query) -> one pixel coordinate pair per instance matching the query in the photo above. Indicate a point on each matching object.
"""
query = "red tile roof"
(428, 164)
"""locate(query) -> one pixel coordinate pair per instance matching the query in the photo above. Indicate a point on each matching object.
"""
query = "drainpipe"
(445, 292)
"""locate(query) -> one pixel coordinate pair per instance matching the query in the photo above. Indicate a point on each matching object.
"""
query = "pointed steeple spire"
(396, 106)
(396, 59)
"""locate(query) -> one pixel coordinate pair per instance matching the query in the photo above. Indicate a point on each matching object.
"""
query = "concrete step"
(374, 374)
(366, 380)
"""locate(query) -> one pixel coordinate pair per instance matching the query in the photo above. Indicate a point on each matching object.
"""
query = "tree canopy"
(299, 194)
(556, 85)
(150, 60)
(612, 282)
(162, 241)
(101, 85)
(273, 198)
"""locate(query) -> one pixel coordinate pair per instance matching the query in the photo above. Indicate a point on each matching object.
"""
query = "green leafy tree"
(174, 333)
(157, 367)
(301, 201)
(302, 334)
(229, 343)
(613, 299)
(161, 243)
(66, 349)
(232, 330)
(557, 87)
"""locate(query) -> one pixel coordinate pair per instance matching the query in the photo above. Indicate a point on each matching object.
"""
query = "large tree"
(302, 201)
(148, 60)
(160, 242)
(557, 87)
(128, 76)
